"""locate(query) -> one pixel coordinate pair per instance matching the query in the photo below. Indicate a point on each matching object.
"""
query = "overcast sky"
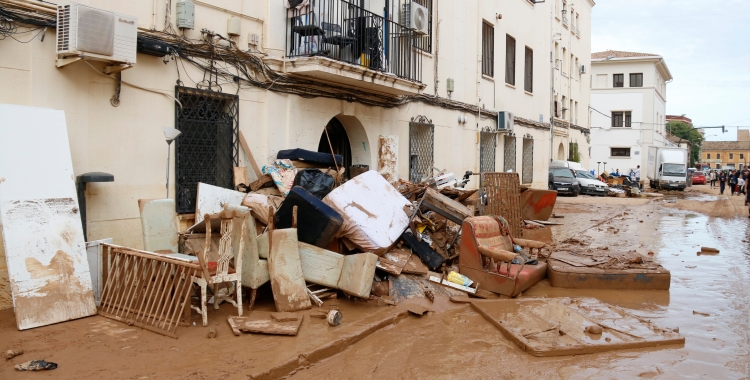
(705, 43)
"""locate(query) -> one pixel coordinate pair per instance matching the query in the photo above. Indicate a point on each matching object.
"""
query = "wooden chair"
(220, 271)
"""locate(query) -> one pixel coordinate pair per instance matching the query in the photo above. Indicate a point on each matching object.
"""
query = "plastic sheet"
(316, 182)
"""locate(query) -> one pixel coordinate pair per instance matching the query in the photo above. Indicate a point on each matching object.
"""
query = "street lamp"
(597, 168)
(170, 134)
(605, 167)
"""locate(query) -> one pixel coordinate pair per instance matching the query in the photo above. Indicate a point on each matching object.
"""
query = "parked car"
(564, 181)
(591, 185)
(699, 178)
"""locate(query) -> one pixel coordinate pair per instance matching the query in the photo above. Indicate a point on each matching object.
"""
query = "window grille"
(421, 148)
(509, 153)
(527, 171)
(207, 149)
(487, 149)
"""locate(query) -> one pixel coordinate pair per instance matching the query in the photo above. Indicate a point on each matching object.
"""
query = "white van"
(566, 164)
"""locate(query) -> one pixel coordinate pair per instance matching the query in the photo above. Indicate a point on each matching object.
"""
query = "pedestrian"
(730, 182)
(617, 172)
(638, 177)
(735, 179)
(740, 185)
(722, 182)
(712, 178)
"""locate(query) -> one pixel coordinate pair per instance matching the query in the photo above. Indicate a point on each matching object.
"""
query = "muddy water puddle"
(709, 298)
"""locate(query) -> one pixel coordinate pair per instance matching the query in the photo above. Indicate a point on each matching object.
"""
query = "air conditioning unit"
(505, 121)
(85, 32)
(583, 69)
(415, 17)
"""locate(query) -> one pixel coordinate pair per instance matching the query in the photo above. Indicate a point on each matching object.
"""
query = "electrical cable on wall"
(250, 70)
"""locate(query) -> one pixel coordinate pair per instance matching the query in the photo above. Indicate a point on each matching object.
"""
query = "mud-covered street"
(708, 302)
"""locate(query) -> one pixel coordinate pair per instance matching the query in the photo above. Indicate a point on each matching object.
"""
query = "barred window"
(510, 153)
(527, 171)
(487, 150)
(421, 148)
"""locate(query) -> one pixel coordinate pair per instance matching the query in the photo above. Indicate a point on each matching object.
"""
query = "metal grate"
(421, 148)
(509, 153)
(207, 150)
(504, 198)
(487, 149)
(527, 170)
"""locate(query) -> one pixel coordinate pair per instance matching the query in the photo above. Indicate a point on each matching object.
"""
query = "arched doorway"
(561, 152)
(339, 142)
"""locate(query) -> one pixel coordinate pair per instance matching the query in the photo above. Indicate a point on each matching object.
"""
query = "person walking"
(740, 185)
(730, 182)
(638, 177)
(736, 178)
(712, 178)
(722, 182)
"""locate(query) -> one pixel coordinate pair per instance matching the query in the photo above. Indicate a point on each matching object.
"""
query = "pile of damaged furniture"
(315, 236)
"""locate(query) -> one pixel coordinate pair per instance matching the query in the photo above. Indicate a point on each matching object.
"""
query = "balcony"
(337, 41)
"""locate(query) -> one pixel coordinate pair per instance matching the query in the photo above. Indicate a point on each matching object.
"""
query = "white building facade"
(282, 76)
(628, 108)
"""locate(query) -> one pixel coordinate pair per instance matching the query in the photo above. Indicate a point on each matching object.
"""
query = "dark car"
(563, 180)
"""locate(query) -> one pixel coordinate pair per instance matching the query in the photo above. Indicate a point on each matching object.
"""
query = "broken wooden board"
(357, 273)
(42, 233)
(261, 322)
(249, 155)
(556, 326)
(240, 176)
(211, 199)
(320, 266)
(450, 209)
(285, 317)
(415, 266)
(394, 260)
(418, 310)
(284, 266)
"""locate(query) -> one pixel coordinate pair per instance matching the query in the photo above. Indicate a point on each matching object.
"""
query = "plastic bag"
(315, 181)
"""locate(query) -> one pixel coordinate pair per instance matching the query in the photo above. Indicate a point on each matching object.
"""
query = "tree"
(689, 134)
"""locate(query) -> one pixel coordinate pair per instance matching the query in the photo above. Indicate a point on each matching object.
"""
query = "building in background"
(628, 101)
(725, 154)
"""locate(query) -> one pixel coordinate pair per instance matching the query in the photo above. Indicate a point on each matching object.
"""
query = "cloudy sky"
(705, 43)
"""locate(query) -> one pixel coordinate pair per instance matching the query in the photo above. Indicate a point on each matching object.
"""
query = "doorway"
(339, 142)
(561, 152)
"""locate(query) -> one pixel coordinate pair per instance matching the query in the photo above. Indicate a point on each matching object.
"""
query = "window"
(207, 149)
(528, 70)
(421, 148)
(718, 166)
(527, 165)
(731, 156)
(742, 156)
(425, 43)
(564, 62)
(509, 154)
(708, 156)
(576, 113)
(620, 152)
(621, 119)
(510, 60)
(618, 80)
(564, 105)
(636, 80)
(487, 148)
(718, 156)
(488, 49)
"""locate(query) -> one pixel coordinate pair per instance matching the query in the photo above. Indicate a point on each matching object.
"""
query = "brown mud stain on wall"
(6, 299)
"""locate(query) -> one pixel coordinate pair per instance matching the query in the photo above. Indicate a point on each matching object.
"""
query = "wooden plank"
(234, 325)
(285, 317)
(445, 206)
(285, 268)
(249, 154)
(240, 176)
(42, 233)
(357, 274)
(320, 266)
(262, 323)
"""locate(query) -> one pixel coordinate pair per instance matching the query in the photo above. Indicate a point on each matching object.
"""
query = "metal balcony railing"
(343, 31)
